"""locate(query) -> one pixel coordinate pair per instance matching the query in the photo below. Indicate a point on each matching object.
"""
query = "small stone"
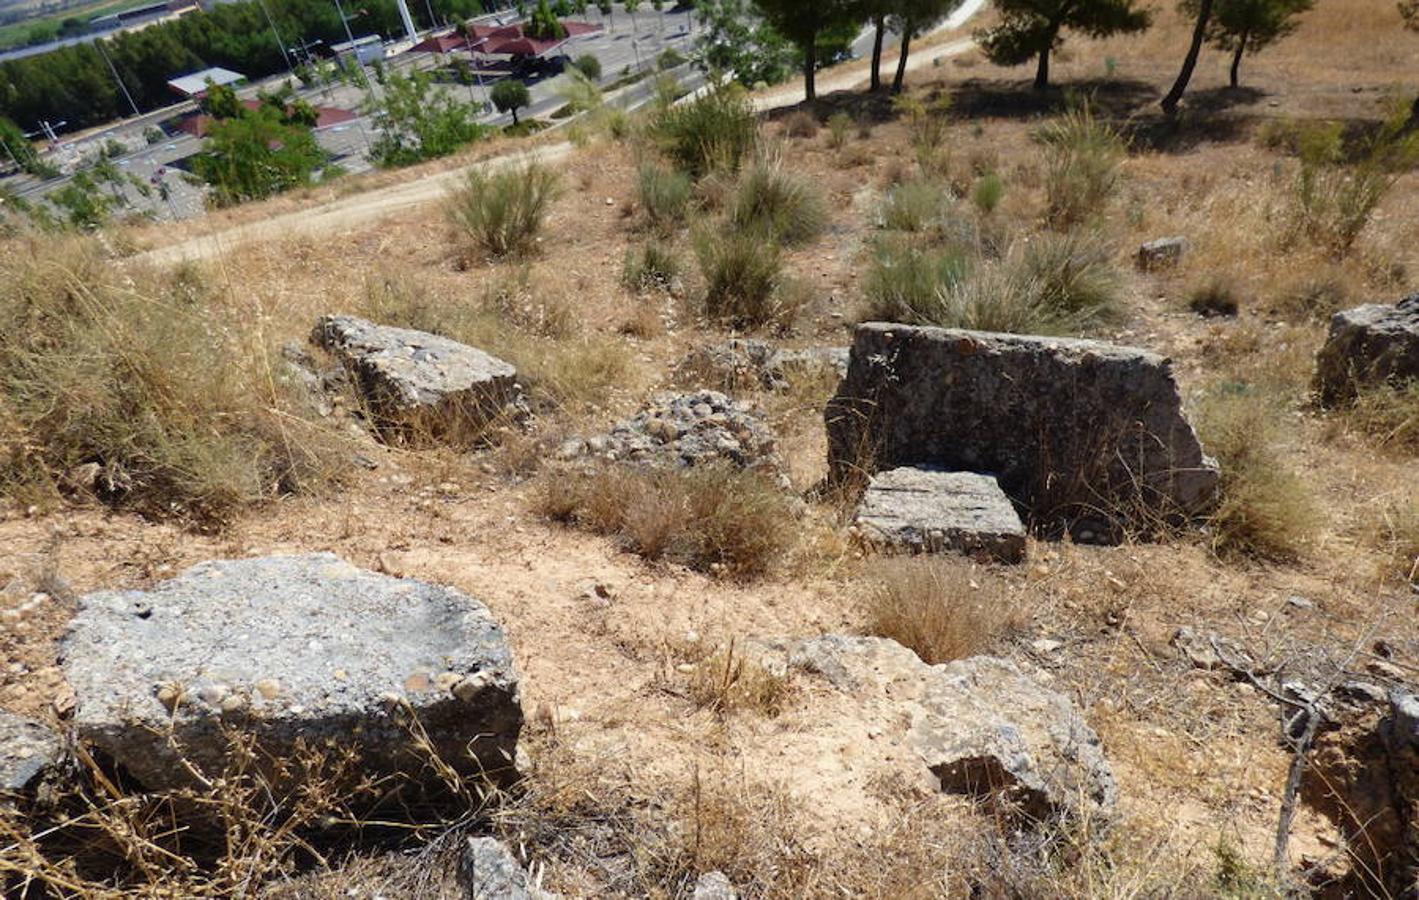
(170, 695)
(1046, 645)
(469, 687)
(268, 688)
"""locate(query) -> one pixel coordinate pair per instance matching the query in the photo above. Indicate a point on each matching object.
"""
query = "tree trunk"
(1042, 71)
(810, 69)
(881, 25)
(901, 79)
(1237, 60)
(1199, 32)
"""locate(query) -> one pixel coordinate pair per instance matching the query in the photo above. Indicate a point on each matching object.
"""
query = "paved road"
(621, 48)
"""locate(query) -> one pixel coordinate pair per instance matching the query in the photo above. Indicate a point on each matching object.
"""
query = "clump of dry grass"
(1265, 508)
(745, 283)
(560, 368)
(1398, 535)
(716, 519)
(1389, 414)
(151, 394)
(262, 819)
(940, 607)
(777, 205)
(726, 680)
(1082, 157)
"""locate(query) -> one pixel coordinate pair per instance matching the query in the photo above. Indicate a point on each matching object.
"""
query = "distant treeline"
(74, 84)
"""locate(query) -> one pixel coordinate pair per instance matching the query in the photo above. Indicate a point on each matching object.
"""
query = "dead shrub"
(942, 608)
(1388, 414)
(259, 821)
(125, 389)
(715, 519)
(1265, 509)
(727, 681)
(800, 124)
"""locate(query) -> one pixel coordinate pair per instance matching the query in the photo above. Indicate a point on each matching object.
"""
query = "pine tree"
(802, 21)
(1031, 29)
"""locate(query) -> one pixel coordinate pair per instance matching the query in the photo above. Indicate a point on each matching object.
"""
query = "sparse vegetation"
(777, 205)
(726, 680)
(129, 393)
(503, 212)
(988, 193)
(907, 282)
(915, 206)
(1082, 157)
(1265, 509)
(717, 130)
(942, 608)
(711, 518)
(745, 285)
(665, 195)
(840, 126)
(654, 266)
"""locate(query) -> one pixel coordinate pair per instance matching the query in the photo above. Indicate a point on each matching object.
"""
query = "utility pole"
(121, 86)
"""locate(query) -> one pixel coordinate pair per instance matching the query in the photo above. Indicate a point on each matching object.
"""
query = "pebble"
(268, 688)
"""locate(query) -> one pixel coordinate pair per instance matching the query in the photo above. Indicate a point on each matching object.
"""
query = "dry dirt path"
(345, 212)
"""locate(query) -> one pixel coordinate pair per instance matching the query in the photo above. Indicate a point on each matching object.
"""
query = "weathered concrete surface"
(28, 749)
(420, 387)
(1163, 253)
(290, 648)
(931, 511)
(1369, 345)
(980, 725)
(1077, 432)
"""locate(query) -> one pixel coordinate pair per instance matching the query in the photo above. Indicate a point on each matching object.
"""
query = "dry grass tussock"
(1266, 508)
(531, 324)
(155, 393)
(942, 608)
(711, 518)
(729, 679)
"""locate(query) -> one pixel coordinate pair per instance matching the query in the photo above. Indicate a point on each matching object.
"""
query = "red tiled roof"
(326, 116)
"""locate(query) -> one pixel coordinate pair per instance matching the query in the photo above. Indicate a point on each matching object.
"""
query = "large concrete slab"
(421, 387)
(1079, 433)
(981, 726)
(291, 649)
(931, 511)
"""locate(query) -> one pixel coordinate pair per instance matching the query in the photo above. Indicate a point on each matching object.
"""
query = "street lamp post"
(121, 86)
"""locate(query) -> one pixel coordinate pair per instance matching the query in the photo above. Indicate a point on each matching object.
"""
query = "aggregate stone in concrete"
(420, 386)
(931, 511)
(290, 648)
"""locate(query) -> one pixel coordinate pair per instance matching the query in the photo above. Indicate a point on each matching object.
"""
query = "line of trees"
(759, 40)
(762, 40)
(74, 84)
